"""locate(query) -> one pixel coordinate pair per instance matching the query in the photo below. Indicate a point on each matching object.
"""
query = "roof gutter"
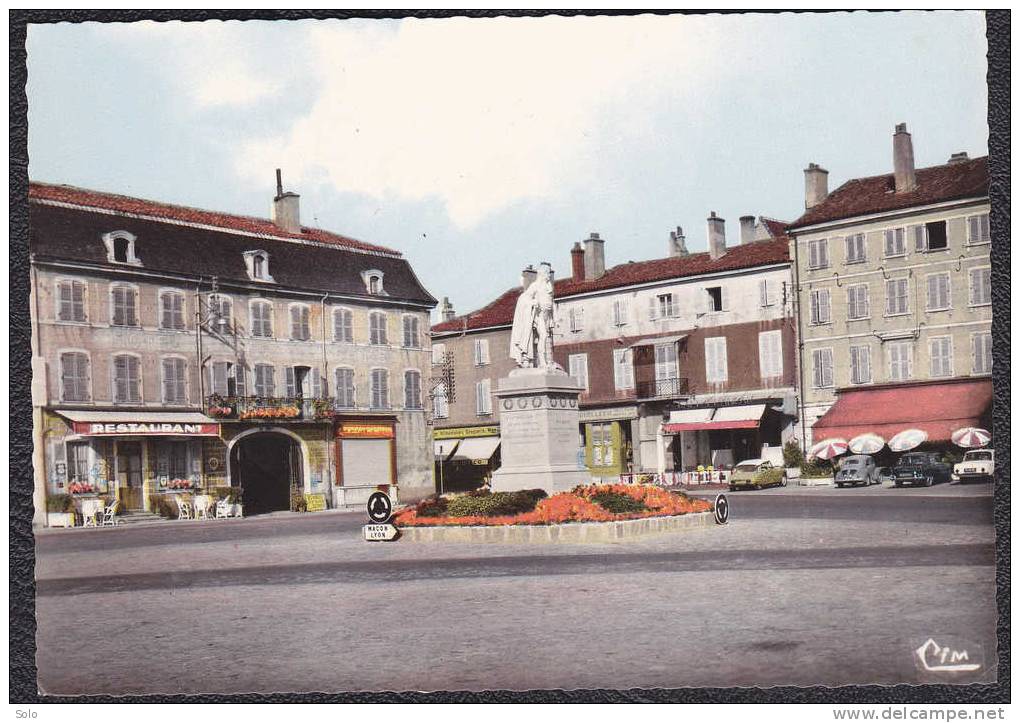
(894, 213)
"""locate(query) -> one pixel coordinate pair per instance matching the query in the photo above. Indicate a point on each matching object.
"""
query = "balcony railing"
(664, 388)
(271, 408)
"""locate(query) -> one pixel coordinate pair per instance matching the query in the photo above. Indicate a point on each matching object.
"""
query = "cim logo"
(937, 658)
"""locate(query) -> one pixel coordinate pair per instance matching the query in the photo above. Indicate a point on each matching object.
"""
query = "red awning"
(694, 420)
(939, 408)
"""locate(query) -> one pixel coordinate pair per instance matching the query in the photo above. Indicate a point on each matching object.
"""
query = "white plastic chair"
(110, 514)
(90, 509)
(202, 504)
(224, 508)
(183, 509)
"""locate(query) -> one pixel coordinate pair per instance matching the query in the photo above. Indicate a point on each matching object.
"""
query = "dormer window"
(257, 263)
(373, 282)
(120, 248)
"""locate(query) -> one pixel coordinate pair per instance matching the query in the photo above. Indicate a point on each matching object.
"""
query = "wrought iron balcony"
(664, 388)
(270, 408)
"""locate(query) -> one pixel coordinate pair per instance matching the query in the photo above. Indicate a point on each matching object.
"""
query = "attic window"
(373, 282)
(120, 248)
(257, 263)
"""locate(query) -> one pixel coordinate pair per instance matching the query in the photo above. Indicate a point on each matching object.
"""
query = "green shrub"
(492, 504)
(431, 507)
(818, 468)
(60, 503)
(772, 476)
(792, 454)
(618, 503)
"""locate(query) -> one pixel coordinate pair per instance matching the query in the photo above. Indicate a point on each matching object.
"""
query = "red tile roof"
(759, 253)
(156, 209)
(861, 196)
(939, 408)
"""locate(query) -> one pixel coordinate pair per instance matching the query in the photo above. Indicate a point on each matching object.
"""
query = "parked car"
(977, 465)
(921, 468)
(755, 474)
(857, 469)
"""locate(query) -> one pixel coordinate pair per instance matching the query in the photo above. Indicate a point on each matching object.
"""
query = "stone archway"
(266, 464)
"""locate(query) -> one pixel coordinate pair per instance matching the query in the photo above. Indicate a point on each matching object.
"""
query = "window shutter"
(219, 378)
(317, 386)
(920, 238)
(973, 229)
(295, 322)
(763, 292)
(653, 308)
(169, 388)
(64, 308)
(823, 253)
(291, 382)
(984, 227)
(120, 379)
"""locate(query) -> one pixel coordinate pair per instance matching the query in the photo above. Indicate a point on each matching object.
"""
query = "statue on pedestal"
(531, 335)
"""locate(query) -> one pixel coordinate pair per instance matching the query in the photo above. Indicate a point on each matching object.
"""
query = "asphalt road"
(802, 587)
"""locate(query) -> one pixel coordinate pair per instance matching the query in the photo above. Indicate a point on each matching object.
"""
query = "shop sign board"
(380, 533)
(315, 502)
(465, 432)
(607, 414)
(146, 428)
(366, 430)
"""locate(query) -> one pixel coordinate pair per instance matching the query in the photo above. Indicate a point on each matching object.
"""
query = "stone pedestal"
(538, 427)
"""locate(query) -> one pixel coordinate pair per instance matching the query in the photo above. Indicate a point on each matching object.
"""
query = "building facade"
(177, 349)
(893, 280)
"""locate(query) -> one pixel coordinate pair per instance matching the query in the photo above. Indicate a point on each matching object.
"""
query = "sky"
(477, 147)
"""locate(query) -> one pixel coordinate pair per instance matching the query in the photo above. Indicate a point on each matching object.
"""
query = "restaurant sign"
(146, 428)
(465, 432)
(607, 414)
(365, 430)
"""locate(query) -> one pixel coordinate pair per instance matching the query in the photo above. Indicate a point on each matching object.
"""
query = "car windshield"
(978, 456)
(747, 467)
(913, 459)
(851, 462)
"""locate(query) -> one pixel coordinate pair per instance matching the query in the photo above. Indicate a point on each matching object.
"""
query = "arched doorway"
(266, 465)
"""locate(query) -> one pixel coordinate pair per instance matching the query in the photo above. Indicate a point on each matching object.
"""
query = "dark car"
(857, 469)
(921, 468)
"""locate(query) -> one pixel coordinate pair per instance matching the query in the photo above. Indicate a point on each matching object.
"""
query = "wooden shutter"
(218, 370)
(920, 233)
(290, 382)
(653, 308)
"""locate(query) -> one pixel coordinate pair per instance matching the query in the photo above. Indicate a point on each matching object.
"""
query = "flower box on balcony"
(287, 412)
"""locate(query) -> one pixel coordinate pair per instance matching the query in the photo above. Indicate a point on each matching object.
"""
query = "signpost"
(381, 533)
(380, 509)
(722, 510)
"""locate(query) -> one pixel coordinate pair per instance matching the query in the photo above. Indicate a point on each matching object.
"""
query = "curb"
(566, 533)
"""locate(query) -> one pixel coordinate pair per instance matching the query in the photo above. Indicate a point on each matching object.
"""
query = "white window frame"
(976, 338)
(717, 364)
(982, 237)
(373, 389)
(577, 368)
(480, 350)
(373, 337)
(58, 283)
(927, 291)
(306, 320)
(623, 369)
(620, 312)
(338, 313)
(971, 287)
(88, 375)
(440, 402)
(906, 282)
(271, 318)
(857, 241)
(816, 356)
(249, 263)
(337, 387)
(415, 322)
(816, 307)
(110, 239)
(770, 343)
(858, 348)
(255, 379)
(185, 386)
(240, 377)
(575, 315)
(483, 397)
(438, 354)
(665, 305)
(113, 378)
(168, 292)
(901, 233)
(940, 340)
(766, 297)
(852, 307)
(421, 404)
(373, 274)
(135, 305)
(816, 249)
(900, 345)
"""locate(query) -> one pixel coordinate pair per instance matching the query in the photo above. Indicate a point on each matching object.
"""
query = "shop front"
(465, 457)
(130, 457)
(366, 459)
(608, 441)
(721, 437)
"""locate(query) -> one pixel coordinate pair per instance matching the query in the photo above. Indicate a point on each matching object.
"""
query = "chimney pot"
(446, 311)
(746, 229)
(677, 243)
(286, 207)
(577, 262)
(528, 276)
(903, 160)
(594, 257)
(816, 185)
(716, 236)
(959, 157)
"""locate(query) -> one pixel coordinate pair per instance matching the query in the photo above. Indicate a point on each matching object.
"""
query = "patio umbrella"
(907, 440)
(829, 448)
(971, 437)
(866, 444)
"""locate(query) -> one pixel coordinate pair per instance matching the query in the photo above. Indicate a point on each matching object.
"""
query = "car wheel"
(898, 483)
(782, 482)
(929, 481)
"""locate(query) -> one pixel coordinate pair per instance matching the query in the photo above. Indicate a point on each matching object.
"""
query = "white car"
(977, 465)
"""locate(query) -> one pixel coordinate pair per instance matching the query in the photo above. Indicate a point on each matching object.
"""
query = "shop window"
(78, 462)
(602, 444)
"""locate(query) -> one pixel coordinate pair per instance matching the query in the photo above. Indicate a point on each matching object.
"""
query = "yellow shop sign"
(465, 432)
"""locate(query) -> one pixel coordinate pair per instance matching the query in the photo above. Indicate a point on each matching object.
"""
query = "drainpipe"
(326, 427)
(800, 340)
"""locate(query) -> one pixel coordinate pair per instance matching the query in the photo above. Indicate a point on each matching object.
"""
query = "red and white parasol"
(828, 448)
(907, 440)
(971, 437)
(866, 444)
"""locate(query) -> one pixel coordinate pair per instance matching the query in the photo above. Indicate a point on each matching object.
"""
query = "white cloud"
(480, 114)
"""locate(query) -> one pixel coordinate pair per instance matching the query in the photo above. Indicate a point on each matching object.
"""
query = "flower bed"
(581, 504)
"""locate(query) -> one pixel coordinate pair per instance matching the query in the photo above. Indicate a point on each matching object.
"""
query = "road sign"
(380, 533)
(722, 510)
(379, 507)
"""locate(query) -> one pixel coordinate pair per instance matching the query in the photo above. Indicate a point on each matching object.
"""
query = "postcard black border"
(22, 687)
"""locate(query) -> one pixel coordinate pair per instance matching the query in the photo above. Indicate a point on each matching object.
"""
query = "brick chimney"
(594, 257)
(446, 312)
(716, 236)
(903, 160)
(677, 243)
(746, 229)
(577, 262)
(528, 275)
(286, 207)
(816, 185)
(960, 157)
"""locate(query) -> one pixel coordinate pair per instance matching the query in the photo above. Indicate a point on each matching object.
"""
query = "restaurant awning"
(89, 422)
(747, 416)
(477, 448)
(938, 408)
(443, 448)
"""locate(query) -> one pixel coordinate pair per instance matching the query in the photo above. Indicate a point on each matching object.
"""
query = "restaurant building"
(178, 350)
(894, 299)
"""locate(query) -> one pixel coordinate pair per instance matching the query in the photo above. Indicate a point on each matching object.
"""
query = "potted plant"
(60, 511)
(793, 458)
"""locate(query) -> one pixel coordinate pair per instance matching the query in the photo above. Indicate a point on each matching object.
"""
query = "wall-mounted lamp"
(838, 282)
